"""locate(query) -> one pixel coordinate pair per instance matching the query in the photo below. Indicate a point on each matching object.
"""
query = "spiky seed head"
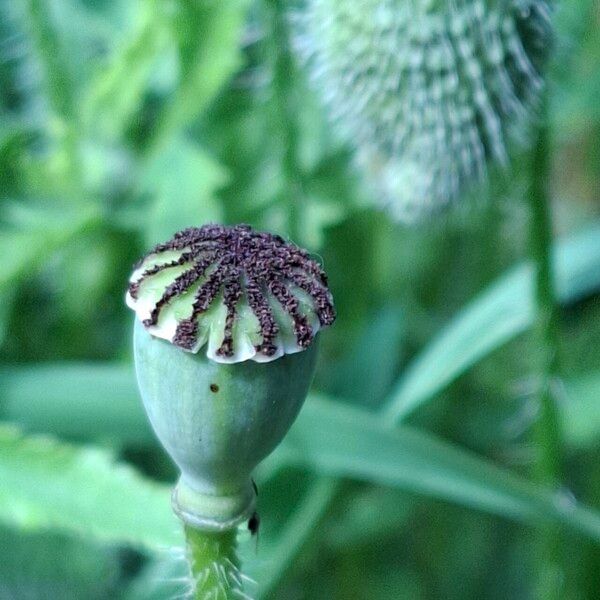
(242, 293)
(429, 91)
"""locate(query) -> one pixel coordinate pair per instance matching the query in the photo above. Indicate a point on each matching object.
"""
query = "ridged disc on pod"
(245, 295)
(428, 91)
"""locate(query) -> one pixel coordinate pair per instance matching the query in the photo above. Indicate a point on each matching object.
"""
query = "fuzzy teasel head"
(225, 348)
(429, 91)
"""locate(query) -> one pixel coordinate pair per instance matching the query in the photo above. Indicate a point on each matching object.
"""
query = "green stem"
(286, 111)
(547, 430)
(214, 564)
(545, 327)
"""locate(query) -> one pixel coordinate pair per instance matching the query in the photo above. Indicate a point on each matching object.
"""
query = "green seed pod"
(225, 352)
(428, 91)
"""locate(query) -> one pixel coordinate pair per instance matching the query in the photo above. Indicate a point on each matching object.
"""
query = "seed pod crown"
(243, 293)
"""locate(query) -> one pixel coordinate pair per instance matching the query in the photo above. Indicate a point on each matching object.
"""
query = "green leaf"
(7, 299)
(495, 317)
(47, 565)
(76, 400)
(282, 551)
(579, 410)
(344, 441)
(329, 437)
(51, 485)
(165, 576)
(208, 37)
(355, 525)
(117, 92)
(366, 372)
(51, 55)
(183, 179)
(33, 231)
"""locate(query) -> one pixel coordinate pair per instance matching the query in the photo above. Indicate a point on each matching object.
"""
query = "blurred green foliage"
(122, 121)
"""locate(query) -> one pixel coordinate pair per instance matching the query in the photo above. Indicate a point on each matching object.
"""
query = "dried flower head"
(246, 294)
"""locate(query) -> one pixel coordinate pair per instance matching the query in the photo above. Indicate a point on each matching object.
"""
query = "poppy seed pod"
(225, 351)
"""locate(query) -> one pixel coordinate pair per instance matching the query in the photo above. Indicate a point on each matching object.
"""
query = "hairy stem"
(214, 564)
(547, 431)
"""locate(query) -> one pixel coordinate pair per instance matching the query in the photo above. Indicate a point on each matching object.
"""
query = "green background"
(408, 472)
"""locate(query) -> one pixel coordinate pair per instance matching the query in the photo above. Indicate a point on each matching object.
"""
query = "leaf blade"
(495, 317)
(47, 484)
(336, 439)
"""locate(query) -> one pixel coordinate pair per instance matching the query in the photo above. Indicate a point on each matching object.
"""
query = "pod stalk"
(214, 564)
